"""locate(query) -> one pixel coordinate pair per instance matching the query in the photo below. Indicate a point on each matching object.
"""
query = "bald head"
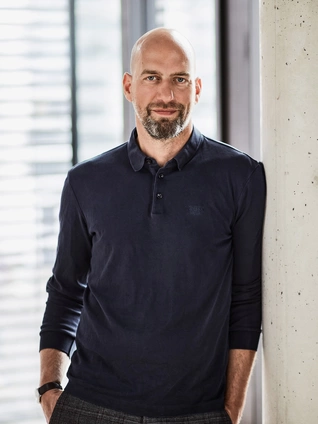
(161, 38)
(162, 85)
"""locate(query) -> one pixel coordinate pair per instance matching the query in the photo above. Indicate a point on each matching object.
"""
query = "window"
(35, 154)
(99, 76)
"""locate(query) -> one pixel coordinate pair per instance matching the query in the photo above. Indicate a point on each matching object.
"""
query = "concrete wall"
(289, 132)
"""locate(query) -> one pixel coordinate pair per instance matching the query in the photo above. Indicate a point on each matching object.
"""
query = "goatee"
(164, 129)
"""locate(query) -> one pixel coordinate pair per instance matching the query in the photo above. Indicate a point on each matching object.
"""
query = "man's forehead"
(162, 62)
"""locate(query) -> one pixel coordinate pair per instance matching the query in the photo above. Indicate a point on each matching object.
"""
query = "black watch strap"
(49, 386)
(46, 387)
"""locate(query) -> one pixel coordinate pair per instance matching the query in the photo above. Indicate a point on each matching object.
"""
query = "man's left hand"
(234, 414)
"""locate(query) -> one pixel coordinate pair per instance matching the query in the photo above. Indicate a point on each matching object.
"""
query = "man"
(159, 261)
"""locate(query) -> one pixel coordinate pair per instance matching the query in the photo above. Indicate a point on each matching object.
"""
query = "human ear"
(198, 88)
(127, 86)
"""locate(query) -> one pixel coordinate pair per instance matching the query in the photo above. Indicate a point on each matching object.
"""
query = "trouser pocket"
(54, 416)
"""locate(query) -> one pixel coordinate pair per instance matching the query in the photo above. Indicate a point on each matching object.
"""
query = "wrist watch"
(45, 388)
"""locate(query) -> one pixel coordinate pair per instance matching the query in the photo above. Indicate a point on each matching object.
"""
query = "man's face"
(163, 89)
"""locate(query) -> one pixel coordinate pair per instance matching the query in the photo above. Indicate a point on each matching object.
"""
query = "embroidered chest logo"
(195, 210)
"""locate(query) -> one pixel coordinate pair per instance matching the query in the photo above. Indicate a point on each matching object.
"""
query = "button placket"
(157, 207)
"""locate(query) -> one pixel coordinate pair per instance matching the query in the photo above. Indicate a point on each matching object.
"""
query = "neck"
(162, 150)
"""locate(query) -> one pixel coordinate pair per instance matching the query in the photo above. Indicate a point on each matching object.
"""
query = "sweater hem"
(137, 408)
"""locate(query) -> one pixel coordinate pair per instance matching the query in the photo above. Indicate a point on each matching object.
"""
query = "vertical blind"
(35, 142)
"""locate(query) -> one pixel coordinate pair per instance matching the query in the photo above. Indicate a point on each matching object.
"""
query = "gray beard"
(164, 129)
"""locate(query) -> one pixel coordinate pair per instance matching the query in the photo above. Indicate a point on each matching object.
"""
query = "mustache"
(162, 105)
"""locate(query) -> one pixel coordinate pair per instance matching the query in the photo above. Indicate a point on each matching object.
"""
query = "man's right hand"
(48, 402)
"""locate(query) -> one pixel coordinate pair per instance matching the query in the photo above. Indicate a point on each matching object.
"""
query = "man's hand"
(234, 415)
(238, 374)
(48, 402)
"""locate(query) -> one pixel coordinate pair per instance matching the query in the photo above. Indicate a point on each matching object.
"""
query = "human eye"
(151, 78)
(180, 80)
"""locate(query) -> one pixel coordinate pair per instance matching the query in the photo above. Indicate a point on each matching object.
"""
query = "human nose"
(165, 91)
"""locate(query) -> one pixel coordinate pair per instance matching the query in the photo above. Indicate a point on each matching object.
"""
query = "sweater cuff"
(244, 340)
(58, 341)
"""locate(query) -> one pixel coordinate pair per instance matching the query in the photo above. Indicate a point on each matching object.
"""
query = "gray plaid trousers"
(71, 410)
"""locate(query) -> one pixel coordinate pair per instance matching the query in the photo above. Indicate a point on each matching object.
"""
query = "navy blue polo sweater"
(157, 275)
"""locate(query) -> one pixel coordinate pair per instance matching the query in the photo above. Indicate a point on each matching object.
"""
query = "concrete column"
(289, 103)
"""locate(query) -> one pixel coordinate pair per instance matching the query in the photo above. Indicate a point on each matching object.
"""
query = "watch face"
(37, 396)
(39, 392)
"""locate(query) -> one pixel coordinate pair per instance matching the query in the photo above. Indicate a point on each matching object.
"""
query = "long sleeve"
(245, 319)
(66, 286)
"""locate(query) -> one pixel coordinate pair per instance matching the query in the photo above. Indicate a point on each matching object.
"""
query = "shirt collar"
(189, 149)
(137, 157)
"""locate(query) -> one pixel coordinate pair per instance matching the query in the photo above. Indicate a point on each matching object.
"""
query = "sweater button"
(159, 196)
(160, 176)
